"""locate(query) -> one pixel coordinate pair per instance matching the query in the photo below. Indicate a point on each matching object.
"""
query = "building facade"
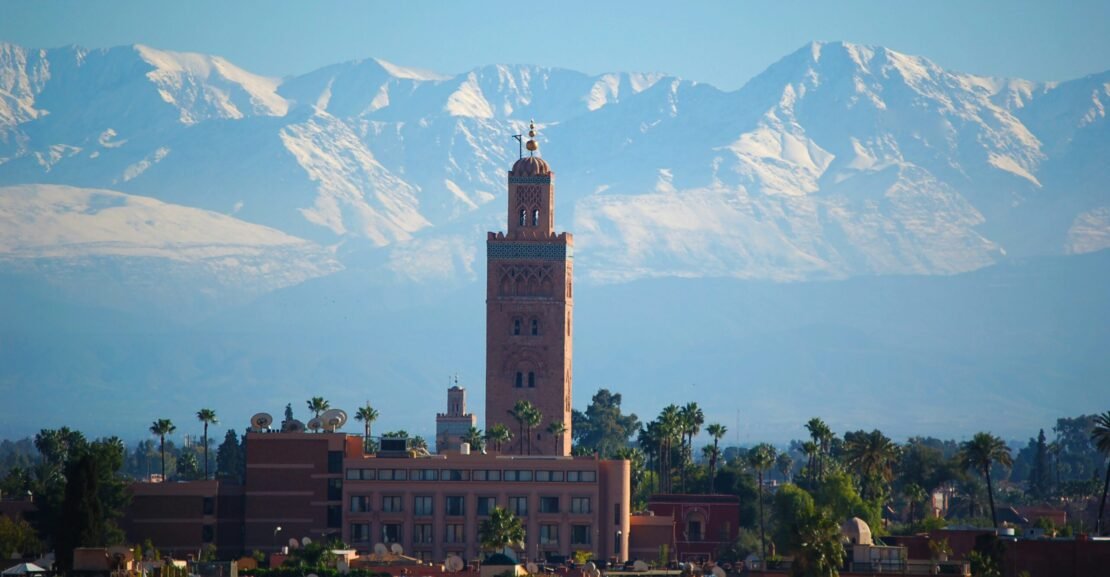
(452, 425)
(529, 311)
(182, 518)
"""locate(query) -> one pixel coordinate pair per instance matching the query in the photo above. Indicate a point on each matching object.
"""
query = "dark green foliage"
(82, 513)
(231, 461)
(603, 427)
(1040, 478)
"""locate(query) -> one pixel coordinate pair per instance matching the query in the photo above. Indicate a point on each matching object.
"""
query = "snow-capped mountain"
(838, 160)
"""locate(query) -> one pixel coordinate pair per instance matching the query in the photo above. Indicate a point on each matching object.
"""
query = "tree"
(500, 530)
(760, 458)
(288, 411)
(318, 405)
(690, 418)
(187, 467)
(717, 431)
(208, 417)
(872, 455)
(979, 454)
(498, 435)
(822, 437)
(914, 494)
(602, 427)
(1100, 436)
(82, 522)
(670, 430)
(17, 537)
(785, 464)
(557, 429)
(367, 415)
(1040, 480)
(532, 418)
(230, 460)
(473, 437)
(160, 429)
(519, 412)
(817, 549)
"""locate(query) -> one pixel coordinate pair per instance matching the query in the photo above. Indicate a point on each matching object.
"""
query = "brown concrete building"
(181, 518)
(432, 506)
(452, 425)
(529, 309)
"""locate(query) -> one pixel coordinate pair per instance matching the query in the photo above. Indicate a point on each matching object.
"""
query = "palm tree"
(691, 418)
(914, 494)
(785, 464)
(208, 417)
(557, 429)
(980, 453)
(520, 413)
(872, 455)
(502, 529)
(822, 436)
(760, 458)
(161, 428)
(670, 424)
(820, 551)
(318, 405)
(532, 418)
(367, 415)
(1100, 436)
(474, 438)
(810, 449)
(717, 431)
(648, 439)
(498, 435)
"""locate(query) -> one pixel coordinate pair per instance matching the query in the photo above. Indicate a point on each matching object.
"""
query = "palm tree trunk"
(162, 442)
(990, 495)
(1102, 504)
(762, 536)
(206, 450)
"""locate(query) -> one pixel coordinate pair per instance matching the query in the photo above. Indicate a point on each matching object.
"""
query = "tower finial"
(531, 144)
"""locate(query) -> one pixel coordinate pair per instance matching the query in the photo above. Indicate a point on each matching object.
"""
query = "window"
(422, 534)
(422, 506)
(391, 504)
(209, 506)
(335, 461)
(531, 380)
(455, 475)
(486, 504)
(456, 506)
(518, 506)
(487, 475)
(549, 504)
(518, 475)
(391, 532)
(516, 326)
(454, 534)
(335, 516)
(519, 380)
(580, 505)
(354, 474)
(535, 327)
(360, 532)
(549, 476)
(425, 475)
(335, 489)
(535, 218)
(549, 534)
(579, 534)
(523, 217)
(207, 533)
(581, 476)
(392, 475)
(361, 474)
(617, 515)
(360, 503)
(693, 531)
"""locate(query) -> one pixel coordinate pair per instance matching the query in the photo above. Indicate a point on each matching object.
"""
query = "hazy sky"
(723, 42)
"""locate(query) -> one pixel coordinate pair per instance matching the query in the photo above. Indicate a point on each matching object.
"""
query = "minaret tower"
(529, 311)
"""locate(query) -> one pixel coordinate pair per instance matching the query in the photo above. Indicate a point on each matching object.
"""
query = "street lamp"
(619, 544)
(276, 531)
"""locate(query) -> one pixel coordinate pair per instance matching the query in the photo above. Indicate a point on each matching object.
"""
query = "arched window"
(531, 380)
(516, 326)
(519, 379)
(535, 327)
(536, 217)
(523, 217)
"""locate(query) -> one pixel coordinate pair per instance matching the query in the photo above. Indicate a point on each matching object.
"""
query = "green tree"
(979, 454)
(784, 464)
(288, 411)
(791, 506)
(500, 530)
(498, 435)
(1100, 436)
(208, 417)
(816, 547)
(83, 519)
(872, 456)
(822, 437)
(160, 429)
(1040, 479)
(474, 437)
(603, 427)
(556, 429)
(318, 405)
(367, 415)
(717, 431)
(17, 538)
(230, 459)
(188, 469)
(761, 458)
(532, 418)
(519, 412)
(690, 418)
(914, 494)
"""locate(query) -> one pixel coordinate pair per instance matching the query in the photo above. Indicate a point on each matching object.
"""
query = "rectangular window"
(456, 475)
(354, 474)
(392, 475)
(335, 489)
(494, 475)
(335, 516)
(617, 514)
(486, 504)
(391, 533)
(425, 475)
(360, 532)
(579, 534)
(556, 476)
(549, 534)
(518, 475)
(456, 506)
(581, 476)
(549, 504)
(454, 534)
(209, 506)
(518, 506)
(360, 503)
(422, 534)
(479, 475)
(207, 533)
(580, 505)
(422, 506)
(391, 504)
(335, 461)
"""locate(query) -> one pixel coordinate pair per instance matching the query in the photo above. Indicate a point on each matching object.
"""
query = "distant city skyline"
(721, 43)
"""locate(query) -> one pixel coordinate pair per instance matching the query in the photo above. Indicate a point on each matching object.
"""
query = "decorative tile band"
(530, 179)
(528, 251)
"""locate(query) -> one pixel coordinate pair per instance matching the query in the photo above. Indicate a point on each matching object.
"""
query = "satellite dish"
(454, 563)
(292, 426)
(639, 566)
(718, 572)
(315, 424)
(332, 419)
(293, 543)
(380, 549)
(306, 541)
(397, 549)
(532, 568)
(261, 421)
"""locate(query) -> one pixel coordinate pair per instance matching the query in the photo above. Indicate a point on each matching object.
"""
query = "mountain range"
(146, 192)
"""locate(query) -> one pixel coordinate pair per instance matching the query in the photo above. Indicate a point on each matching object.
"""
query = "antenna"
(333, 419)
(520, 144)
(397, 549)
(315, 424)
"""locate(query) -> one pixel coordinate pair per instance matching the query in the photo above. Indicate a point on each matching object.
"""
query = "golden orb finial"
(531, 145)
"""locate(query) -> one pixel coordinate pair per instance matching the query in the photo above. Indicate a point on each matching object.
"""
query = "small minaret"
(452, 425)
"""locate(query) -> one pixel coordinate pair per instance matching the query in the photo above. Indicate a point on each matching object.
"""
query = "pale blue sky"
(721, 42)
